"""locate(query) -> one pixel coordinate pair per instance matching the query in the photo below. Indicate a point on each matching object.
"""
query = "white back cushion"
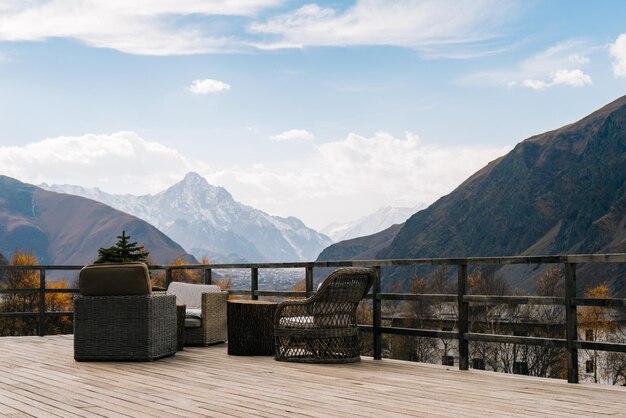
(190, 294)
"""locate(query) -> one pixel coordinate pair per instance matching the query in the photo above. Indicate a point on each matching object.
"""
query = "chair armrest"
(214, 316)
(213, 303)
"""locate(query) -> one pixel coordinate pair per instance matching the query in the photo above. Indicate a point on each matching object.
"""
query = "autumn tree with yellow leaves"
(598, 323)
(29, 302)
(191, 275)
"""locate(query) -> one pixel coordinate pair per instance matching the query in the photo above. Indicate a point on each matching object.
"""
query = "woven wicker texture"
(214, 321)
(139, 328)
(180, 327)
(323, 328)
(251, 327)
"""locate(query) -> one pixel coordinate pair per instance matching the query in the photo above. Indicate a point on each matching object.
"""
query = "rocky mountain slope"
(64, 229)
(207, 221)
(560, 192)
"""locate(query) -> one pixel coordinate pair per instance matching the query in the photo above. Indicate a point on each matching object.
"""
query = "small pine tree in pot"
(123, 251)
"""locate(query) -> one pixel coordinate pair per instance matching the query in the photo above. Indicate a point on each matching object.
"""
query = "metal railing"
(462, 299)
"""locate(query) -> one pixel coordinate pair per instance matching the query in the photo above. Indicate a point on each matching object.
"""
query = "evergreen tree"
(122, 252)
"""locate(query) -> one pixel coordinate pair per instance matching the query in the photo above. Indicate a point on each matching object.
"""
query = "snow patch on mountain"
(375, 222)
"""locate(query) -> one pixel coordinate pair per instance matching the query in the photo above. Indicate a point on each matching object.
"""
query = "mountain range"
(64, 229)
(208, 222)
(559, 192)
(377, 221)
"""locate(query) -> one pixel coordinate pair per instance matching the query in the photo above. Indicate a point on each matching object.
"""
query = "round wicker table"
(251, 327)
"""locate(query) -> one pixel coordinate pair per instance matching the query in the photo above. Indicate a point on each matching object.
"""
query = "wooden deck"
(39, 377)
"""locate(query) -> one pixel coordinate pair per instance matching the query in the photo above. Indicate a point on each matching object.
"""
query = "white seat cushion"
(195, 313)
(296, 322)
(190, 294)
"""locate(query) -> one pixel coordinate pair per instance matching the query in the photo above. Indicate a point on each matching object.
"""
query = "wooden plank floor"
(39, 377)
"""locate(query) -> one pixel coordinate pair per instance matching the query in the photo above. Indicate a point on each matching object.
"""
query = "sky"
(322, 110)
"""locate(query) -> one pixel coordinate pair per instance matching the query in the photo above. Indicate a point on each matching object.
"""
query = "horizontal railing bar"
(19, 314)
(35, 314)
(540, 341)
(594, 345)
(515, 300)
(36, 290)
(417, 296)
(239, 292)
(596, 258)
(412, 332)
(538, 259)
(40, 267)
(520, 300)
(386, 263)
(66, 290)
(599, 302)
(280, 293)
(19, 291)
(59, 313)
(511, 339)
(283, 293)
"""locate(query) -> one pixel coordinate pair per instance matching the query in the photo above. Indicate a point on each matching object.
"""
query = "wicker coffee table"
(251, 327)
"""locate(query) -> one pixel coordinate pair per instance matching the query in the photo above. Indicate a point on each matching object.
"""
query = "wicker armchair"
(116, 316)
(205, 319)
(323, 328)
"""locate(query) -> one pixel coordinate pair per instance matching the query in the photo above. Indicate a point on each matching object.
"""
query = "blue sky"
(321, 110)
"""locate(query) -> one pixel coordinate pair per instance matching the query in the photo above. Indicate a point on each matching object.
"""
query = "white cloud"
(579, 59)
(533, 84)
(136, 27)
(121, 162)
(344, 179)
(166, 27)
(549, 68)
(618, 52)
(574, 78)
(208, 86)
(417, 24)
(293, 134)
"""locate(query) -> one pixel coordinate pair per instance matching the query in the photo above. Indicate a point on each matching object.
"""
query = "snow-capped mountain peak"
(207, 221)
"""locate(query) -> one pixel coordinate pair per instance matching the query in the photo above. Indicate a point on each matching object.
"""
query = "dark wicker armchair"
(116, 316)
(323, 328)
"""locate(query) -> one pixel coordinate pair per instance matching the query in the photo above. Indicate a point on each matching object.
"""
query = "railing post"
(572, 322)
(254, 283)
(42, 302)
(308, 279)
(168, 277)
(463, 326)
(208, 276)
(376, 306)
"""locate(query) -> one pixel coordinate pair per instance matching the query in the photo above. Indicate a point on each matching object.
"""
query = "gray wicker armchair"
(323, 328)
(116, 316)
